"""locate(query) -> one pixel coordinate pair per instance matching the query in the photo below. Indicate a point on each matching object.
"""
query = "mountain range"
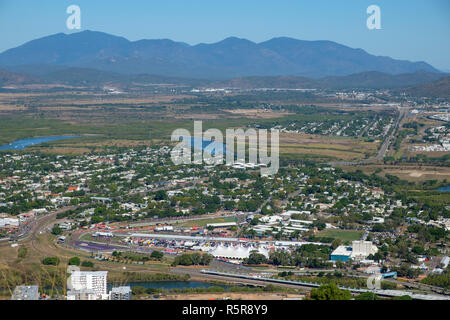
(439, 88)
(362, 80)
(230, 58)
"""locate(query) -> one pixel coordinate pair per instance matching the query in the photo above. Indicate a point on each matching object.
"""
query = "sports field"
(344, 235)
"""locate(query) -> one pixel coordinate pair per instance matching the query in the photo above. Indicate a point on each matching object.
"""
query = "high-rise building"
(90, 282)
(361, 249)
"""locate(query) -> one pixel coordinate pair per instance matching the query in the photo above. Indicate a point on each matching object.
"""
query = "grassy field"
(105, 123)
(344, 235)
(413, 173)
(294, 145)
(320, 152)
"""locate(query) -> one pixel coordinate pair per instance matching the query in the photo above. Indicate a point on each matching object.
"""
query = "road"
(385, 146)
(389, 293)
(403, 112)
(44, 219)
(195, 273)
(39, 225)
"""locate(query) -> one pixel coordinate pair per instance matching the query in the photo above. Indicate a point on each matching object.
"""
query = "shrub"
(56, 230)
(54, 261)
(22, 253)
(74, 261)
(87, 264)
(157, 255)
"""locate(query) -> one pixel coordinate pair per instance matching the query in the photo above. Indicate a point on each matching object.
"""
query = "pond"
(443, 189)
(24, 143)
(213, 145)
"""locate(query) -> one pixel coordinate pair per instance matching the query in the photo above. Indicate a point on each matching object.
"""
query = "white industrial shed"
(238, 252)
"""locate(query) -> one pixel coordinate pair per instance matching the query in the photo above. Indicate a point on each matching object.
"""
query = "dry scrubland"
(412, 173)
(337, 147)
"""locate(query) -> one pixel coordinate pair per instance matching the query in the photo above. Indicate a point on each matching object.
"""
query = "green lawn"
(344, 235)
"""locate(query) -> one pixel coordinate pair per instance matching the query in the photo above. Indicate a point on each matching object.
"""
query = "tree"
(229, 205)
(280, 257)
(160, 195)
(74, 261)
(206, 259)
(192, 259)
(330, 292)
(367, 296)
(319, 224)
(137, 290)
(196, 258)
(405, 297)
(336, 243)
(256, 258)
(87, 264)
(53, 261)
(377, 256)
(439, 280)
(157, 255)
(56, 230)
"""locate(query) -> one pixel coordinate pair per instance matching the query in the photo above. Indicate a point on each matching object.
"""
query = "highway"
(403, 112)
(387, 293)
(385, 146)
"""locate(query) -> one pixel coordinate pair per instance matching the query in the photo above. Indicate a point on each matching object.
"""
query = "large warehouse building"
(236, 252)
(359, 250)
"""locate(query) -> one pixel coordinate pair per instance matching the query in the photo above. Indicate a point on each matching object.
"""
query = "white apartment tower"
(361, 249)
(93, 281)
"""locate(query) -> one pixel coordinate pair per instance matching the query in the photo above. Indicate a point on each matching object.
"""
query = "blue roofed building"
(359, 250)
(341, 253)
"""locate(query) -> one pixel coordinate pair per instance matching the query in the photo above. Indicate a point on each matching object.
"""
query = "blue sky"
(417, 30)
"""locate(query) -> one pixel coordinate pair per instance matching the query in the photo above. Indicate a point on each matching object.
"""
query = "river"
(24, 143)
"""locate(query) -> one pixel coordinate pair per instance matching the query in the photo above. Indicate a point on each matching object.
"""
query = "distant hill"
(9, 78)
(379, 80)
(435, 89)
(226, 59)
(86, 76)
(92, 77)
(363, 80)
(287, 82)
